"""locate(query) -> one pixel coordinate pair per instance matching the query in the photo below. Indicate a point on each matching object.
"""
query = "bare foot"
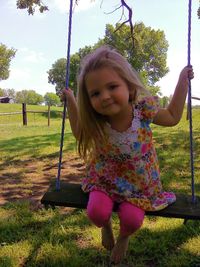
(120, 249)
(107, 236)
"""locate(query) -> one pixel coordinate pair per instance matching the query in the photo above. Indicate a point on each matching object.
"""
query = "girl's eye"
(94, 94)
(114, 86)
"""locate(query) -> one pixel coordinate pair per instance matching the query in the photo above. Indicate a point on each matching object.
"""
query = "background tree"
(148, 56)
(57, 74)
(1, 92)
(6, 56)
(51, 99)
(11, 93)
(155, 90)
(29, 97)
(164, 101)
(8, 92)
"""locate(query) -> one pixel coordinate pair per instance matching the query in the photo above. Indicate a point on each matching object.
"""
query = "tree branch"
(129, 20)
(30, 5)
(130, 16)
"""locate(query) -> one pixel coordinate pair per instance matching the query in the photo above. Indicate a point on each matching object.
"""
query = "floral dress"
(126, 167)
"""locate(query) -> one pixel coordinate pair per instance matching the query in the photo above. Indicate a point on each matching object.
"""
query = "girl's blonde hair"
(92, 124)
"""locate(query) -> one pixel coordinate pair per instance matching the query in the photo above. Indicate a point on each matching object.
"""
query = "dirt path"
(29, 180)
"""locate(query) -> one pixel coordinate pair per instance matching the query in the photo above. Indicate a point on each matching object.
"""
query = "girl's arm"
(72, 110)
(171, 115)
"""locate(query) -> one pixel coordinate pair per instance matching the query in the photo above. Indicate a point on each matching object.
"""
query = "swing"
(71, 195)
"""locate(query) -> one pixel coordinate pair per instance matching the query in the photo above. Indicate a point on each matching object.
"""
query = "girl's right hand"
(67, 94)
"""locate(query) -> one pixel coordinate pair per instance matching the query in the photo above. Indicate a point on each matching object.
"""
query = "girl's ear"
(132, 95)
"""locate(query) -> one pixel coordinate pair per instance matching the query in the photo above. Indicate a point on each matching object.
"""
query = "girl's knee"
(130, 226)
(99, 208)
(98, 216)
(131, 218)
(136, 222)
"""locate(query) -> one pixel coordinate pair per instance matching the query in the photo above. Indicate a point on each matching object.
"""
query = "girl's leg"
(131, 219)
(99, 210)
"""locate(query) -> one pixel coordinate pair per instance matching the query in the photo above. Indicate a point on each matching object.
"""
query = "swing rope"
(65, 102)
(190, 105)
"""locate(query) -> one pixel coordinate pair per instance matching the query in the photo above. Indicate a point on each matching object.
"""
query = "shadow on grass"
(32, 169)
(29, 167)
(34, 146)
(31, 179)
(54, 114)
(59, 239)
(173, 150)
(166, 247)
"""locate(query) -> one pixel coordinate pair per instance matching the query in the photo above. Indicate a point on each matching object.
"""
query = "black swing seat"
(71, 195)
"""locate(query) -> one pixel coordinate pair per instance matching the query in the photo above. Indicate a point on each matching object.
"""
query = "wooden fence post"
(49, 113)
(24, 114)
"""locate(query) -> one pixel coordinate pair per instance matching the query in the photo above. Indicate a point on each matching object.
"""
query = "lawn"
(32, 236)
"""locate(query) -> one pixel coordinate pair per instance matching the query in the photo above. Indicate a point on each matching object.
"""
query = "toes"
(119, 250)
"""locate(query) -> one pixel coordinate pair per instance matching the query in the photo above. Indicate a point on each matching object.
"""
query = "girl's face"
(108, 92)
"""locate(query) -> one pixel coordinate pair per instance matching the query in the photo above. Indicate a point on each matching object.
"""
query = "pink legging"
(100, 207)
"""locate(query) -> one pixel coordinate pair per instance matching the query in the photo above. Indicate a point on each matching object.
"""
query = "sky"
(42, 39)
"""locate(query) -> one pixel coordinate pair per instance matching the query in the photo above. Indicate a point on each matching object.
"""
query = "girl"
(111, 122)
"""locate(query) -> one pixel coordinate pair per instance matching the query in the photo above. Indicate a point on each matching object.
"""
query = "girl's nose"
(105, 95)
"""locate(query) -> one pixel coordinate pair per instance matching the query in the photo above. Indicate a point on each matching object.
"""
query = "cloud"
(63, 6)
(34, 57)
(31, 55)
(11, 4)
(19, 74)
(18, 79)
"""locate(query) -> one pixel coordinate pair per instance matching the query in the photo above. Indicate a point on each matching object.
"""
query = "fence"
(195, 98)
(24, 113)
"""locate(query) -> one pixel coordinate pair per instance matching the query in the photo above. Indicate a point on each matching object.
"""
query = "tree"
(51, 99)
(31, 5)
(164, 101)
(148, 56)
(155, 90)
(9, 92)
(6, 56)
(57, 74)
(29, 97)
(2, 92)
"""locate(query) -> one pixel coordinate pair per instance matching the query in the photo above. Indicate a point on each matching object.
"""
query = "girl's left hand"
(186, 74)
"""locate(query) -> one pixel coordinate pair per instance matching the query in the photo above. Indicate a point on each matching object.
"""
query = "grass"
(64, 237)
(53, 238)
(34, 140)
